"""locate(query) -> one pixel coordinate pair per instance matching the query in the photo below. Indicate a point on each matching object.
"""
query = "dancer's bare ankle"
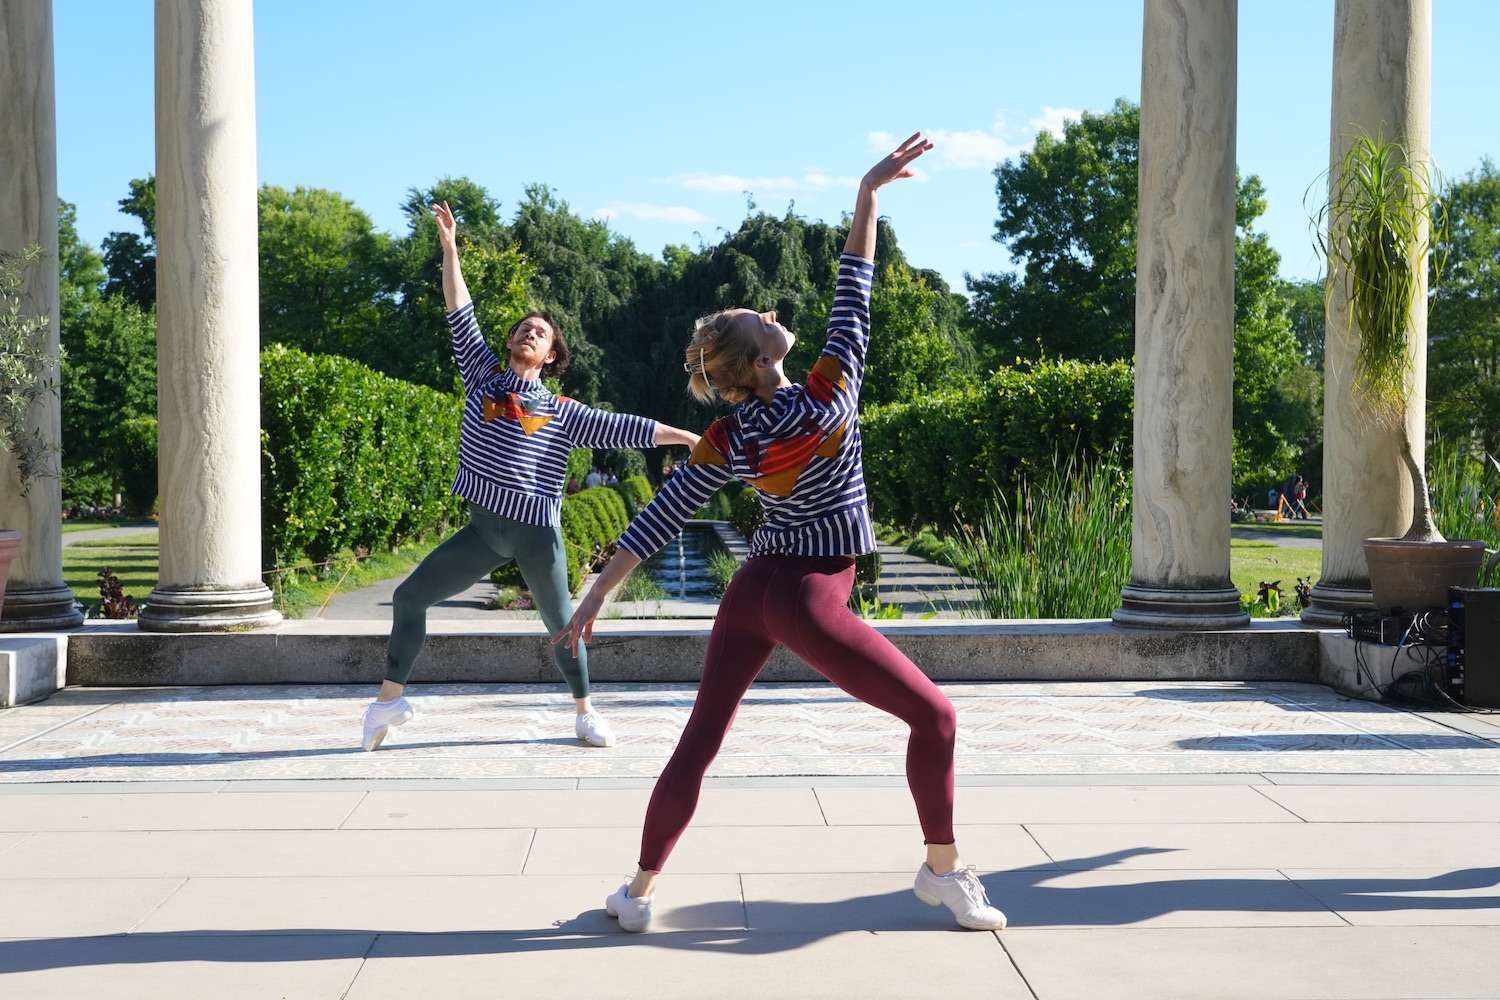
(644, 883)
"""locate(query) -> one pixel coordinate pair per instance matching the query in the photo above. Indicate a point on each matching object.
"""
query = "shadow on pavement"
(773, 926)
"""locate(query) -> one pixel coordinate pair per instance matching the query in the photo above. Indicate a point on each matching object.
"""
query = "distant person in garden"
(512, 458)
(799, 447)
(1299, 498)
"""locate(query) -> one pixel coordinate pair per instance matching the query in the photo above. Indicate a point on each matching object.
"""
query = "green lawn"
(132, 558)
(135, 560)
(69, 527)
(1250, 563)
(1294, 529)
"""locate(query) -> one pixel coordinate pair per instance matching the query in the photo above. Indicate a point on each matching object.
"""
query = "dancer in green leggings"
(512, 458)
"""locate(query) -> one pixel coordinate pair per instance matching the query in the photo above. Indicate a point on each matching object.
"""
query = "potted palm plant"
(28, 371)
(1383, 217)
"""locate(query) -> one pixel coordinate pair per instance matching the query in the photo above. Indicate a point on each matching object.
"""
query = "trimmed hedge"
(350, 458)
(592, 520)
(942, 458)
(636, 492)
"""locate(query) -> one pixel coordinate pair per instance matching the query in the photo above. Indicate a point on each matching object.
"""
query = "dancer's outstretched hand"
(580, 627)
(446, 227)
(897, 164)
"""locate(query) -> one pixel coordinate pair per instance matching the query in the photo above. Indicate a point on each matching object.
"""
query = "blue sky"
(659, 116)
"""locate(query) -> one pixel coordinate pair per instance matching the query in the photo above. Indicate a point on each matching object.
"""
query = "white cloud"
(975, 149)
(968, 150)
(732, 184)
(655, 213)
(821, 180)
(981, 148)
(1051, 119)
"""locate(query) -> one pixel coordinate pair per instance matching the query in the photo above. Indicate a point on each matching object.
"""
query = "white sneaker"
(380, 716)
(962, 893)
(634, 914)
(592, 729)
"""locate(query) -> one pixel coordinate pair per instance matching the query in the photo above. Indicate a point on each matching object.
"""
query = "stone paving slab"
(525, 731)
(157, 843)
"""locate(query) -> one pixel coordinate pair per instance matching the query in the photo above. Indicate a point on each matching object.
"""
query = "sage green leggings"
(487, 542)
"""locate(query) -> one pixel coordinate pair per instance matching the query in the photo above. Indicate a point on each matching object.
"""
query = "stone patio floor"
(1164, 840)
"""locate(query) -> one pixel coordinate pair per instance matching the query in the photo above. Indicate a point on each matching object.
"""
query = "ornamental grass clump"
(1466, 500)
(1058, 548)
(1383, 216)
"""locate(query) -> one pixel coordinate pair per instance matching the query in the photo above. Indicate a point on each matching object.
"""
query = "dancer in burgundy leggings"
(798, 446)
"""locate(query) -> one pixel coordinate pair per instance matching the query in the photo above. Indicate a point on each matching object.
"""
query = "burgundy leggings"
(802, 603)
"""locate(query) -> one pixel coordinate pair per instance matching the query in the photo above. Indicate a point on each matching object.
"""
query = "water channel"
(681, 567)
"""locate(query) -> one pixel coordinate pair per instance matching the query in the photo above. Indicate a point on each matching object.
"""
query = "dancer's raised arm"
(861, 240)
(455, 292)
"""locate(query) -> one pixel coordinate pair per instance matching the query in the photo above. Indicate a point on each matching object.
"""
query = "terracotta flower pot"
(10, 548)
(1415, 576)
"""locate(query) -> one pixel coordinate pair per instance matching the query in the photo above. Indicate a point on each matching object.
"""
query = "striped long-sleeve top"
(801, 452)
(516, 433)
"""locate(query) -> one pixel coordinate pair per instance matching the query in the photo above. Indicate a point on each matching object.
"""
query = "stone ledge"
(31, 667)
(332, 652)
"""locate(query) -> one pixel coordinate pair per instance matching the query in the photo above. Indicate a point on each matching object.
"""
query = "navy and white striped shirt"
(801, 452)
(516, 433)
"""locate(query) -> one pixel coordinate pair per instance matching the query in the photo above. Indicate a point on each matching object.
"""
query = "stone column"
(207, 324)
(1382, 81)
(1184, 322)
(36, 598)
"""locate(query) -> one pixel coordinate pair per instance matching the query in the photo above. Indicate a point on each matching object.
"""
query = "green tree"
(80, 268)
(915, 347)
(1463, 327)
(1307, 311)
(109, 381)
(1277, 395)
(1068, 214)
(418, 345)
(130, 258)
(324, 280)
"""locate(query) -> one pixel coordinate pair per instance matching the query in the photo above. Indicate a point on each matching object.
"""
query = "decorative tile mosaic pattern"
(526, 731)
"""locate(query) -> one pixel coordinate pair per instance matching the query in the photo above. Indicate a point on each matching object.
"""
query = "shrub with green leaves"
(592, 521)
(940, 459)
(635, 492)
(745, 513)
(28, 370)
(350, 458)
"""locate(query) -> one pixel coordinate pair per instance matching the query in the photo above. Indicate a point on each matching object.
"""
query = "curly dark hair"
(557, 365)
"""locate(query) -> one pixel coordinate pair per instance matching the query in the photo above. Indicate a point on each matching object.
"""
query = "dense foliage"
(940, 460)
(967, 394)
(1463, 328)
(1067, 211)
(350, 458)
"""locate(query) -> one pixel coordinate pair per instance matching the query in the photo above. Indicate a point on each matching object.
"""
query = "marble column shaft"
(36, 597)
(1184, 367)
(207, 320)
(1382, 82)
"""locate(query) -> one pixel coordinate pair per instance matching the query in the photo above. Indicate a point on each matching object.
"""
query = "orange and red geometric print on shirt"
(514, 407)
(782, 460)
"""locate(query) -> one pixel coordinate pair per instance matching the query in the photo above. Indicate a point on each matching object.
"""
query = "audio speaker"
(1474, 614)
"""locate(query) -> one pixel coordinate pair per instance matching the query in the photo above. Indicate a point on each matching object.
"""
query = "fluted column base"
(1330, 603)
(208, 610)
(1172, 608)
(41, 610)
